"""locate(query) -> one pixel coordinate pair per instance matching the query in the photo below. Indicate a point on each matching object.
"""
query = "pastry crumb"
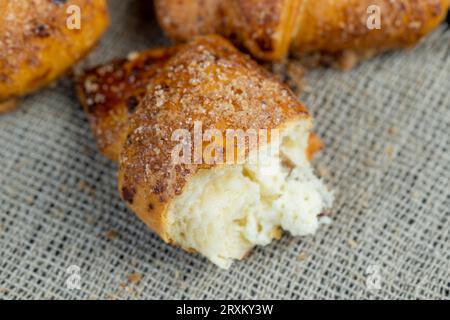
(392, 131)
(323, 171)
(112, 234)
(390, 152)
(352, 243)
(302, 256)
(134, 278)
(277, 233)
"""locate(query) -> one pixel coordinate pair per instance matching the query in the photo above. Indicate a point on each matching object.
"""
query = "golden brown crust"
(207, 80)
(269, 28)
(111, 92)
(36, 46)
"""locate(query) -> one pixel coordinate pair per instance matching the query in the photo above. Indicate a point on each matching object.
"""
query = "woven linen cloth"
(386, 125)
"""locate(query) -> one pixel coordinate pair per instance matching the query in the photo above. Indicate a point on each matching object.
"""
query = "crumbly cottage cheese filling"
(224, 212)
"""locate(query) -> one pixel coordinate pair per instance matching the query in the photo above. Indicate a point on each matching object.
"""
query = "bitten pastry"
(38, 41)
(203, 203)
(270, 28)
(111, 92)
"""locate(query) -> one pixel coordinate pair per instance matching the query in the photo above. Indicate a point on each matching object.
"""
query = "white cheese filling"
(224, 212)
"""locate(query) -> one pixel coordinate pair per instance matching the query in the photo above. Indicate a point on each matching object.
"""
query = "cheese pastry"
(201, 194)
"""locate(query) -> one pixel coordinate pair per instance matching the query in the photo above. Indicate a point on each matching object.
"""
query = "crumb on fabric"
(302, 256)
(183, 285)
(82, 184)
(122, 285)
(30, 200)
(352, 243)
(277, 233)
(112, 234)
(112, 296)
(390, 152)
(85, 187)
(415, 195)
(90, 220)
(392, 131)
(323, 171)
(369, 163)
(134, 278)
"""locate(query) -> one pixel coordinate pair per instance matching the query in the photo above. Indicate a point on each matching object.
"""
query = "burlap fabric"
(386, 125)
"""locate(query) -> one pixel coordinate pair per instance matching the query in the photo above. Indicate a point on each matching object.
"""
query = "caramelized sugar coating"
(110, 93)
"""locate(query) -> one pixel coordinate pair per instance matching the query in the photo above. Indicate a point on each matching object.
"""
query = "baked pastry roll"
(206, 203)
(41, 39)
(270, 28)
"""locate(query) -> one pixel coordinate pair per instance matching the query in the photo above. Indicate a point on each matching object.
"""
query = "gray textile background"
(387, 129)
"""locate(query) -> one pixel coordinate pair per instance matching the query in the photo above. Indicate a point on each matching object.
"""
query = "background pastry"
(37, 44)
(269, 29)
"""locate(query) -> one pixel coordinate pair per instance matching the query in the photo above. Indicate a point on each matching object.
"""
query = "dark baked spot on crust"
(128, 194)
(264, 43)
(132, 102)
(4, 78)
(42, 30)
(151, 207)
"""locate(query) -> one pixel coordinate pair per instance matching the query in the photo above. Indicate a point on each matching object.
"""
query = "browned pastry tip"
(111, 92)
